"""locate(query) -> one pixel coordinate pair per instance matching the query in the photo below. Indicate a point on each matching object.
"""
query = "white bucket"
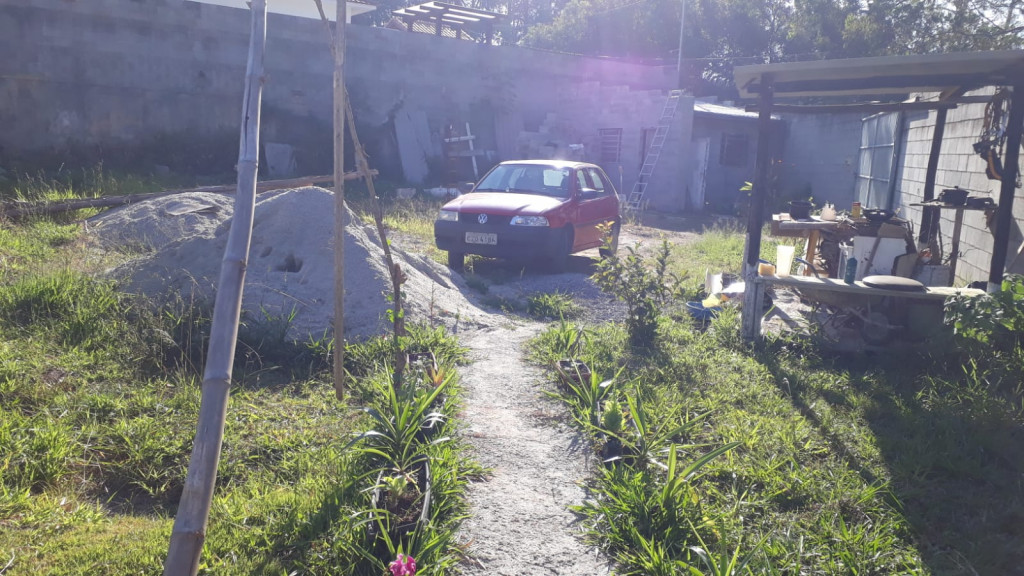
(784, 260)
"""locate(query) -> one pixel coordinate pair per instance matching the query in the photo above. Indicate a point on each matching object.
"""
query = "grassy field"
(831, 464)
(99, 394)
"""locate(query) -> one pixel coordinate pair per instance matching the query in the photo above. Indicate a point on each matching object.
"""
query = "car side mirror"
(466, 187)
(588, 194)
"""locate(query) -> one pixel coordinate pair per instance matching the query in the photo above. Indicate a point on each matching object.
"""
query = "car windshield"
(527, 179)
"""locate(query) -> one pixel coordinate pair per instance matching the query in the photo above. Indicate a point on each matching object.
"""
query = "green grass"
(720, 249)
(845, 465)
(99, 395)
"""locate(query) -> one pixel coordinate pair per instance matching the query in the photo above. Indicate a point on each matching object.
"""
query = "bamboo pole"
(338, 50)
(363, 168)
(189, 533)
(394, 270)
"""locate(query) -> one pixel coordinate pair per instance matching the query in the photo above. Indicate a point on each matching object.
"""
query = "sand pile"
(291, 261)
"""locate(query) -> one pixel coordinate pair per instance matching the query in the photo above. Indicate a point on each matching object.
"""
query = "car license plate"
(481, 238)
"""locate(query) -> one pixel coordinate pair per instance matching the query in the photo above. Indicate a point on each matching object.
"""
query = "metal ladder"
(636, 196)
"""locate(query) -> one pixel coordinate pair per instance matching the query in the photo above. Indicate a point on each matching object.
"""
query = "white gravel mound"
(291, 262)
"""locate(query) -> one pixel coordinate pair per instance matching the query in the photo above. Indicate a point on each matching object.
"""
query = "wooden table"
(784, 225)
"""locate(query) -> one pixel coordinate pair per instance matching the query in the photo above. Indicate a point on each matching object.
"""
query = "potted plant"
(400, 500)
(572, 371)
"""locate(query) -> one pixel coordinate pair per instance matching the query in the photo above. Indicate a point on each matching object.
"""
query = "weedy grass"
(99, 395)
(719, 249)
(842, 465)
(552, 305)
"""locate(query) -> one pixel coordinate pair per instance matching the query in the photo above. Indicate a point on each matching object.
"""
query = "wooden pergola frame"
(867, 81)
(458, 18)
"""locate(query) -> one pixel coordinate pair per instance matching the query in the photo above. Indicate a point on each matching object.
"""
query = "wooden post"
(363, 169)
(753, 296)
(930, 216)
(1011, 169)
(189, 532)
(339, 200)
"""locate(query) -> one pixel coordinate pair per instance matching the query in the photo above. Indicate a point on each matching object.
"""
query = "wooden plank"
(937, 293)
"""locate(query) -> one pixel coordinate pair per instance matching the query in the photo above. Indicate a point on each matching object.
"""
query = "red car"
(531, 209)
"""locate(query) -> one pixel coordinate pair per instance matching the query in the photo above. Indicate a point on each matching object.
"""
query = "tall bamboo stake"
(338, 48)
(189, 531)
(363, 168)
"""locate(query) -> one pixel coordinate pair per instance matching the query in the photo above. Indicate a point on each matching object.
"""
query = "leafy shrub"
(996, 319)
(644, 286)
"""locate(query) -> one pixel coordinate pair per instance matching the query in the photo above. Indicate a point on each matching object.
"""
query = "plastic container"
(850, 275)
(855, 210)
(784, 260)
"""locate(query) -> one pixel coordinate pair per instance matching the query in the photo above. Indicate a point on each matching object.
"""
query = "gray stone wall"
(103, 72)
(959, 166)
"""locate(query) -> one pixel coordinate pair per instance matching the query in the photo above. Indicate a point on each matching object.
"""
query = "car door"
(599, 207)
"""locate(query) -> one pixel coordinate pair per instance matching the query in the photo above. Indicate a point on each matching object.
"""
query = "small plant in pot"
(612, 420)
(401, 499)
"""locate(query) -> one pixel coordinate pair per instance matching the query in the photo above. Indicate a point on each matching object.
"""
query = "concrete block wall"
(960, 166)
(635, 111)
(103, 71)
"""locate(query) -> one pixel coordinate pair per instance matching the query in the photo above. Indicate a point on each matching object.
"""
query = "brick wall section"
(958, 166)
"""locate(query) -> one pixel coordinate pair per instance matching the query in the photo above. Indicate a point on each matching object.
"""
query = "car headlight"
(448, 216)
(529, 221)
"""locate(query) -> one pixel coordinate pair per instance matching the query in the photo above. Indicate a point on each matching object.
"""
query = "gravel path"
(519, 519)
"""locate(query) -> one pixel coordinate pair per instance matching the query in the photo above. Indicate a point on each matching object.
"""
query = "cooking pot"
(878, 215)
(954, 196)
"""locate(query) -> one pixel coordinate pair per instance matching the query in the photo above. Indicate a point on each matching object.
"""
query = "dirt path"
(519, 520)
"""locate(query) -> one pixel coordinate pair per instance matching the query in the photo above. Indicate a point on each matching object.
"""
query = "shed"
(880, 84)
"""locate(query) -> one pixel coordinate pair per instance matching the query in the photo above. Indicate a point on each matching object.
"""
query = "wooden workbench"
(936, 293)
(783, 225)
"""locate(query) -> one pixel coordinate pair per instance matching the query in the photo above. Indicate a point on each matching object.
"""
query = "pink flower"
(403, 566)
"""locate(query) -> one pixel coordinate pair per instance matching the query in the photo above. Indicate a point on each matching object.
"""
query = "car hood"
(506, 203)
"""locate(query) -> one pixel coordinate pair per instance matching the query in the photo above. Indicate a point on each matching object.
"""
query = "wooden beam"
(754, 294)
(930, 216)
(1011, 169)
(897, 83)
(869, 108)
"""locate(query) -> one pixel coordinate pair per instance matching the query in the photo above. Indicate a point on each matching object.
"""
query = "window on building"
(611, 145)
(735, 150)
(877, 159)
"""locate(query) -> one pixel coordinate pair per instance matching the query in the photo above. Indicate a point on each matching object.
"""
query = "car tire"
(609, 252)
(456, 260)
(560, 257)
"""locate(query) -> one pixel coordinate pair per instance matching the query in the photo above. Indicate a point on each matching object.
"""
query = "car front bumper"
(514, 242)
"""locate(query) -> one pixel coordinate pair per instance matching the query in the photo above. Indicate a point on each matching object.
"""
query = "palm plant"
(395, 440)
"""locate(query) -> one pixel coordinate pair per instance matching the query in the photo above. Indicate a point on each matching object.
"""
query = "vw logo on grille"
(482, 218)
